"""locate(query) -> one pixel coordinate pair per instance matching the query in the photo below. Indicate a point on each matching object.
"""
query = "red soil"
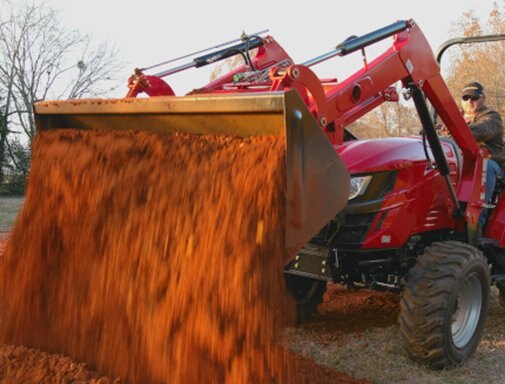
(355, 310)
(139, 263)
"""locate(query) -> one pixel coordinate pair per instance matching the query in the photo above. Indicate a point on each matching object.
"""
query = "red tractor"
(396, 213)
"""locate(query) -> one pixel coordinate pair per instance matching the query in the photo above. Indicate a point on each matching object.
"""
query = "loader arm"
(269, 53)
(411, 61)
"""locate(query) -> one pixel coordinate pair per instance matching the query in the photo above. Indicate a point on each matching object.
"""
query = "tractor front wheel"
(444, 304)
(307, 294)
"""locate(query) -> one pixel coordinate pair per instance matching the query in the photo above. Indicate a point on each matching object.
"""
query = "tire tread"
(425, 298)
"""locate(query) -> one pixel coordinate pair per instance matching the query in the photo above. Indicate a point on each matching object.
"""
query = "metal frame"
(458, 41)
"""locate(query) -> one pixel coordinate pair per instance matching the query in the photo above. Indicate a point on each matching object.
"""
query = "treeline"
(41, 59)
(461, 64)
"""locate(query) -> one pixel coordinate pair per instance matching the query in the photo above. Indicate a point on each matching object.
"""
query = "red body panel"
(420, 201)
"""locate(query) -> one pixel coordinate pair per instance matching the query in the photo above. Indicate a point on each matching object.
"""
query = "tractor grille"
(327, 233)
(354, 230)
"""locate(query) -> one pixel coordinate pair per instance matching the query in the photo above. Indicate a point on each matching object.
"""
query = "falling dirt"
(154, 259)
(21, 365)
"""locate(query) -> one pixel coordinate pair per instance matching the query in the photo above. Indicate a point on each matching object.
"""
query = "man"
(487, 128)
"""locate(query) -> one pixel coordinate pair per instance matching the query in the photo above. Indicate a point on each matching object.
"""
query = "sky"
(147, 32)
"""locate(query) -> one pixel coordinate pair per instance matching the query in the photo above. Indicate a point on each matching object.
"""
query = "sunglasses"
(473, 98)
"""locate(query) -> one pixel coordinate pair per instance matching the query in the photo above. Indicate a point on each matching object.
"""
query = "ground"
(354, 336)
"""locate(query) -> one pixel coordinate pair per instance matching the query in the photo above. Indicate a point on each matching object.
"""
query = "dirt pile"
(153, 258)
(307, 371)
(351, 310)
(22, 365)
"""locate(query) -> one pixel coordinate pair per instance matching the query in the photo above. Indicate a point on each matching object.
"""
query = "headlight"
(358, 185)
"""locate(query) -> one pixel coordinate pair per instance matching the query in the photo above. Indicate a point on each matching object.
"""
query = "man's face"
(471, 104)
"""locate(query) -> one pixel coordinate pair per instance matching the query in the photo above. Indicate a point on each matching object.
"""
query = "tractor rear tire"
(307, 294)
(444, 304)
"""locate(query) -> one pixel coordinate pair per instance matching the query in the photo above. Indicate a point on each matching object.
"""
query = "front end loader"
(311, 161)
(395, 214)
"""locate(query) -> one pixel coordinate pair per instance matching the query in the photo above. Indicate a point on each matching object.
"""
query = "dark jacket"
(487, 128)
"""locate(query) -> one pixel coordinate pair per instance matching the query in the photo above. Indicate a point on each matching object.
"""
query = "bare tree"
(389, 119)
(3, 142)
(481, 62)
(40, 59)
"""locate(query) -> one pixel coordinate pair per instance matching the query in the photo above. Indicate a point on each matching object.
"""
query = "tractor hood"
(374, 155)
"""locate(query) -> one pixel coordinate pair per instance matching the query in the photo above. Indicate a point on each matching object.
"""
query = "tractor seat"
(457, 152)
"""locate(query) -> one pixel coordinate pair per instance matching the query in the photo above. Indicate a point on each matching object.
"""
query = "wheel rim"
(467, 311)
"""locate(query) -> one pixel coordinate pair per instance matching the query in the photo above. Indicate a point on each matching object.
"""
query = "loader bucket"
(317, 180)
